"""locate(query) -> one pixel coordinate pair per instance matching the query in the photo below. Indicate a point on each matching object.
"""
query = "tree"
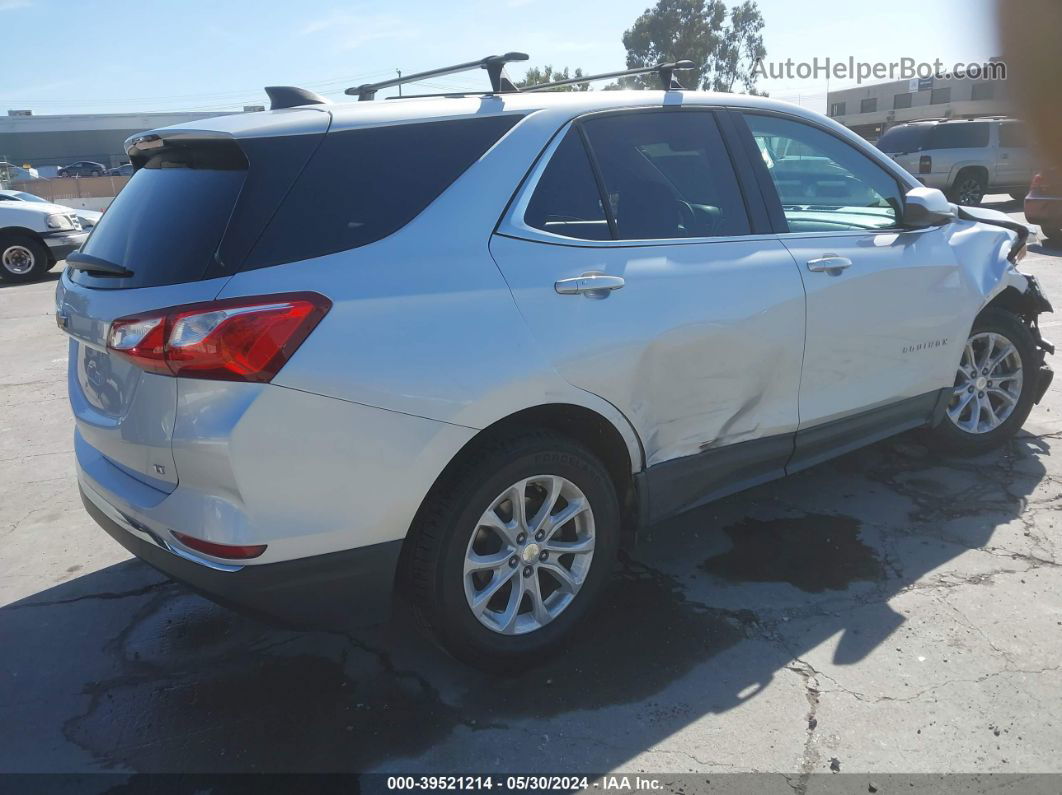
(724, 50)
(547, 74)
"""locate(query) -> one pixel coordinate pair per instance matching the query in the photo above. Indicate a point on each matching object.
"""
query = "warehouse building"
(870, 110)
(47, 142)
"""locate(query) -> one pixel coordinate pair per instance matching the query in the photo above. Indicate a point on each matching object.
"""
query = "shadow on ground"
(121, 669)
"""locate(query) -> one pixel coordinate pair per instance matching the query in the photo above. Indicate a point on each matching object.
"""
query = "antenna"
(494, 64)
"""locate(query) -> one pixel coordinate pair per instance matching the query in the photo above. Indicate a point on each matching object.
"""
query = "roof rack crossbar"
(494, 64)
(666, 71)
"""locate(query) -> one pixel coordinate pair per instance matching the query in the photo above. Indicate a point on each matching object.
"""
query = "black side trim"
(684, 483)
(345, 589)
(838, 437)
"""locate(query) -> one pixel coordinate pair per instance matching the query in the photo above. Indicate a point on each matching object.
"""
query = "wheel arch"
(22, 231)
(618, 448)
(960, 168)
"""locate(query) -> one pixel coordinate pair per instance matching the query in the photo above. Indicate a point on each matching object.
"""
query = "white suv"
(466, 347)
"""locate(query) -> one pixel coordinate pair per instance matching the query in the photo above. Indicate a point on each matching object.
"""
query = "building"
(870, 110)
(46, 142)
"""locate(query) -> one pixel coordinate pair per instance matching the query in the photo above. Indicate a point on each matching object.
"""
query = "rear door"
(180, 227)
(631, 255)
(885, 319)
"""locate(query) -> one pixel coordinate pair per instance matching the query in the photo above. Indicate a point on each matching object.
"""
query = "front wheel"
(22, 259)
(994, 387)
(511, 552)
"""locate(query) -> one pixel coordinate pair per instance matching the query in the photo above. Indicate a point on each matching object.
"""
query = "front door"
(886, 323)
(630, 256)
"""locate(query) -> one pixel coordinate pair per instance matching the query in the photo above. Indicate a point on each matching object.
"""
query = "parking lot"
(890, 611)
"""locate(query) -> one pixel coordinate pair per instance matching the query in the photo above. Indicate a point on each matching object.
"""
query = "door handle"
(592, 285)
(831, 263)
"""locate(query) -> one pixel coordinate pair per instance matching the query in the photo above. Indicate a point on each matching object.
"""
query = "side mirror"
(924, 207)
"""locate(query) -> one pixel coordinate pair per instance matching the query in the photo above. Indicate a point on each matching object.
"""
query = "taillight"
(925, 164)
(245, 552)
(238, 339)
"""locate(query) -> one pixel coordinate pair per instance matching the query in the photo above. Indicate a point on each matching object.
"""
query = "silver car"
(465, 348)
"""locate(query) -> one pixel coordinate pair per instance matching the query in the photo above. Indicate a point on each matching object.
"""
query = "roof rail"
(494, 64)
(664, 70)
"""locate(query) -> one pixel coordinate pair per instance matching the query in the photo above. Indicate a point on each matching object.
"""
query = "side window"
(1012, 134)
(667, 175)
(824, 184)
(566, 200)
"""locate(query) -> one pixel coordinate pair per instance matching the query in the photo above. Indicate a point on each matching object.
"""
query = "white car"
(88, 218)
(34, 236)
(466, 346)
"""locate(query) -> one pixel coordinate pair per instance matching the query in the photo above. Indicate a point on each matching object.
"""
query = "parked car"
(964, 158)
(83, 168)
(35, 236)
(124, 170)
(468, 347)
(88, 218)
(1043, 205)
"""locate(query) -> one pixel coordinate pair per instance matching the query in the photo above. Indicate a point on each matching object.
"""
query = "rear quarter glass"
(365, 184)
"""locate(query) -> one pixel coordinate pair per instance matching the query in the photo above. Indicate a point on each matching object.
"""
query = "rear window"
(363, 185)
(166, 223)
(903, 138)
(958, 136)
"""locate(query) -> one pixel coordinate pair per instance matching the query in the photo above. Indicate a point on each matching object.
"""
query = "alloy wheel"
(987, 385)
(969, 192)
(529, 554)
(18, 260)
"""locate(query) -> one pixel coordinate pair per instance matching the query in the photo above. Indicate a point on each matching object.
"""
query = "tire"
(1018, 195)
(450, 528)
(956, 432)
(22, 259)
(968, 188)
(1053, 234)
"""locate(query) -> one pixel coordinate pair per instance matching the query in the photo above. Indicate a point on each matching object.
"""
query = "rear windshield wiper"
(90, 264)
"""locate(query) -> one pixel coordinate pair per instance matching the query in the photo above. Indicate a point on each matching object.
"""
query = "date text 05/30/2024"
(617, 783)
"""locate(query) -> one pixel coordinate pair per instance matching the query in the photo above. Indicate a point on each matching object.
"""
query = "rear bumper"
(348, 589)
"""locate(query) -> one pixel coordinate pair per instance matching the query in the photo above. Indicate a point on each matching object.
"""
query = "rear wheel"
(1052, 233)
(511, 552)
(968, 189)
(994, 386)
(1018, 195)
(22, 259)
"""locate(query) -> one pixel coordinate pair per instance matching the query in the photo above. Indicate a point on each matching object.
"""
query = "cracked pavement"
(891, 611)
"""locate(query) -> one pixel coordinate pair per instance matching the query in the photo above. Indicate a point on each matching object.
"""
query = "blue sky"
(129, 55)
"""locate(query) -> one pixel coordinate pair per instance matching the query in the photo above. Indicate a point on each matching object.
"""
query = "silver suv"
(964, 158)
(466, 347)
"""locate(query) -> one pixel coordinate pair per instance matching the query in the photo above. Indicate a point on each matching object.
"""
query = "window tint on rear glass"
(1012, 133)
(362, 185)
(947, 135)
(667, 175)
(165, 224)
(566, 200)
(904, 138)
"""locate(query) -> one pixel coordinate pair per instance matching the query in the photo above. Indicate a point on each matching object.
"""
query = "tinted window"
(667, 175)
(566, 200)
(868, 105)
(1012, 134)
(904, 138)
(949, 135)
(166, 223)
(830, 185)
(902, 101)
(363, 185)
